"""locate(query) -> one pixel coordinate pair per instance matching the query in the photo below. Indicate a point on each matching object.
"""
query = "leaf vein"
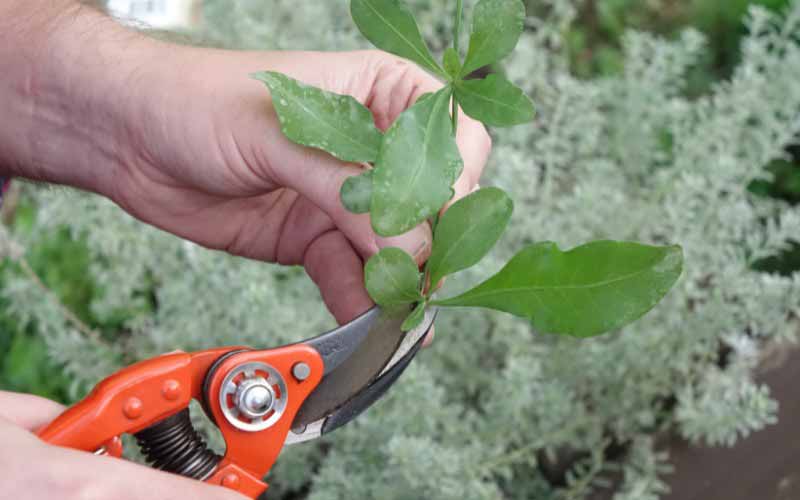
(336, 130)
(428, 60)
(487, 98)
(532, 288)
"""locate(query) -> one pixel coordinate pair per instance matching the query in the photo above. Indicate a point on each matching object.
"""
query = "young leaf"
(313, 117)
(416, 167)
(390, 26)
(496, 27)
(415, 318)
(356, 193)
(468, 230)
(586, 291)
(392, 278)
(452, 65)
(494, 101)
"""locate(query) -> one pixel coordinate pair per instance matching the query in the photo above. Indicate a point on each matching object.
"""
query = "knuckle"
(377, 61)
(487, 141)
(381, 57)
(389, 65)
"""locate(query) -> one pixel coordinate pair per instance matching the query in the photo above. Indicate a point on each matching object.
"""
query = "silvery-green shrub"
(626, 157)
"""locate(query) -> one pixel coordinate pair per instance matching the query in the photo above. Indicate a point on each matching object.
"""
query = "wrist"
(65, 72)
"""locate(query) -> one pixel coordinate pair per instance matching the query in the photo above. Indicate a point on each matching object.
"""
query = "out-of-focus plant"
(595, 41)
(488, 412)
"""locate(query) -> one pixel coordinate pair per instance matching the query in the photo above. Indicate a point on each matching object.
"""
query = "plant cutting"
(411, 168)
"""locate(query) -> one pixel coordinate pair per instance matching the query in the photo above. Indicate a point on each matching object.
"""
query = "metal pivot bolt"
(254, 397)
(301, 371)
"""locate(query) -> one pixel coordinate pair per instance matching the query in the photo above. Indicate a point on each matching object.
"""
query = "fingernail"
(416, 242)
(423, 245)
(429, 337)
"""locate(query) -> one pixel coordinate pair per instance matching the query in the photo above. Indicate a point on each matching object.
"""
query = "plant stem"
(454, 115)
(8, 211)
(85, 329)
(457, 29)
(456, 39)
(434, 221)
(426, 274)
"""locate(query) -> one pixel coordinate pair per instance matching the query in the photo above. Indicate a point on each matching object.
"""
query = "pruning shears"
(259, 399)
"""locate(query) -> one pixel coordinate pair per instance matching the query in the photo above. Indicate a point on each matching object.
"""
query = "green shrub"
(488, 410)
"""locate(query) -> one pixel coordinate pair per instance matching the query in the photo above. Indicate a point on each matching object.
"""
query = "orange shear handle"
(130, 400)
(146, 393)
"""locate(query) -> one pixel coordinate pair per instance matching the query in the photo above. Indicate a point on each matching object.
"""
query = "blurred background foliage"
(566, 388)
(595, 49)
(595, 43)
(60, 264)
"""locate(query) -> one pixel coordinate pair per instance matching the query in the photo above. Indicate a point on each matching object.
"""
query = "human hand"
(32, 469)
(207, 161)
(183, 139)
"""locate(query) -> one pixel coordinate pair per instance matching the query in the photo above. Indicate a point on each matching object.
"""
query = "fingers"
(80, 475)
(475, 145)
(429, 337)
(336, 268)
(27, 411)
(40, 470)
(318, 177)
(89, 476)
(398, 84)
(416, 243)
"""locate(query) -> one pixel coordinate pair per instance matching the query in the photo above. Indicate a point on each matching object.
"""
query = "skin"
(182, 139)
(32, 469)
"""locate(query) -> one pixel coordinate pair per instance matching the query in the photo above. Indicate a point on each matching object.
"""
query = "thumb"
(106, 477)
(78, 474)
(41, 470)
(27, 411)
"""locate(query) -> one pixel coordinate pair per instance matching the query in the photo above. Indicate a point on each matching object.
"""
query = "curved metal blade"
(366, 398)
(355, 355)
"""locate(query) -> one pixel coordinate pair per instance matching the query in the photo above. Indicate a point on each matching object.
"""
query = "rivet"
(133, 408)
(231, 481)
(171, 390)
(301, 371)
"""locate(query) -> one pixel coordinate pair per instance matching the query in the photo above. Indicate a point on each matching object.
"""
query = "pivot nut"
(253, 396)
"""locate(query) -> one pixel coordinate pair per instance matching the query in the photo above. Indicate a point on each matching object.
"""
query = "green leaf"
(586, 291)
(452, 65)
(415, 318)
(496, 27)
(392, 278)
(468, 230)
(356, 193)
(494, 101)
(313, 117)
(390, 26)
(416, 167)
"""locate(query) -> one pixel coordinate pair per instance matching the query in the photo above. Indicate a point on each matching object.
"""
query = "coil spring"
(173, 445)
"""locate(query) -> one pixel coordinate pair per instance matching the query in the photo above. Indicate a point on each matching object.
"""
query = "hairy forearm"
(63, 68)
